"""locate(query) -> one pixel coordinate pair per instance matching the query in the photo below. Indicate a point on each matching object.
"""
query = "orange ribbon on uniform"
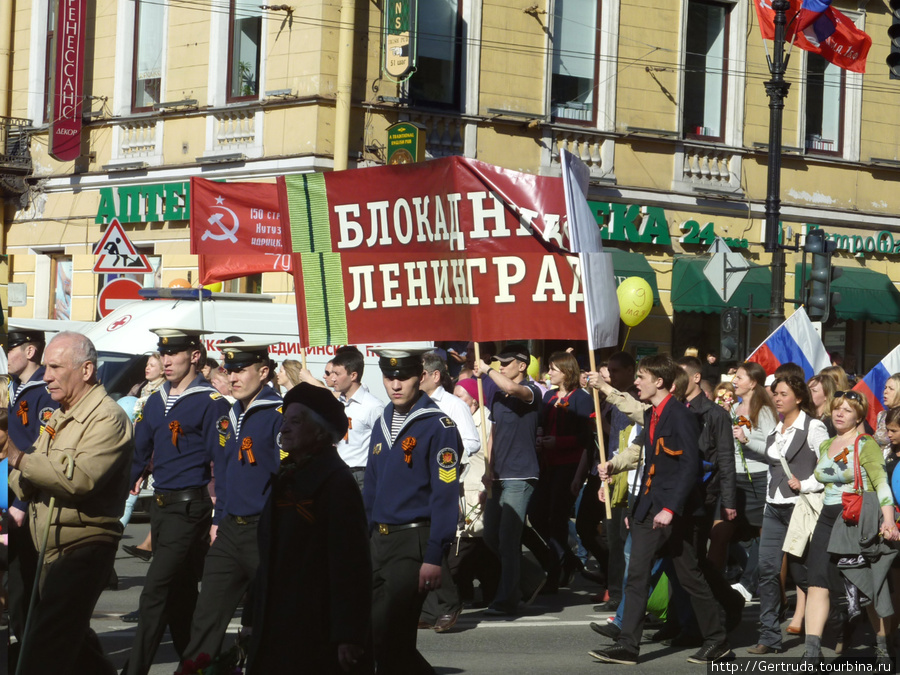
(247, 446)
(50, 431)
(23, 412)
(408, 444)
(175, 428)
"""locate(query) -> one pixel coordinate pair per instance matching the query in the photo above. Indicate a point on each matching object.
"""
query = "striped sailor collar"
(266, 398)
(16, 388)
(424, 407)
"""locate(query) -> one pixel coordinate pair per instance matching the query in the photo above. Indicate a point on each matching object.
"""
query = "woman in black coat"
(313, 594)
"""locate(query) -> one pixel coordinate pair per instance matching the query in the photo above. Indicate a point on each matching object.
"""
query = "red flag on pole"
(831, 34)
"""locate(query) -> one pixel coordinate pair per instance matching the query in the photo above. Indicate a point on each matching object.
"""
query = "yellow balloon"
(534, 368)
(214, 287)
(635, 300)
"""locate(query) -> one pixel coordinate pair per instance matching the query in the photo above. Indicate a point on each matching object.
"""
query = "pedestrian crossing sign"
(117, 255)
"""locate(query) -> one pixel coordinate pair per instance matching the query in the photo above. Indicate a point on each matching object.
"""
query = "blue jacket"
(29, 409)
(180, 444)
(426, 487)
(250, 457)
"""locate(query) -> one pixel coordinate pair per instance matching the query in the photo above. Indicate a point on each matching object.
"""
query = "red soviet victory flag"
(236, 229)
(825, 31)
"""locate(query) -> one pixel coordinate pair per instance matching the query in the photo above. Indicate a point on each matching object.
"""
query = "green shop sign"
(145, 203)
(883, 242)
(638, 224)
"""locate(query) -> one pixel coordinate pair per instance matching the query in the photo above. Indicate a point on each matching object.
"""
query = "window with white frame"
(149, 39)
(575, 39)
(437, 81)
(824, 106)
(244, 46)
(48, 62)
(705, 70)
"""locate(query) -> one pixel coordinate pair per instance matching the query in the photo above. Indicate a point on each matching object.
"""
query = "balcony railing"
(444, 135)
(15, 155)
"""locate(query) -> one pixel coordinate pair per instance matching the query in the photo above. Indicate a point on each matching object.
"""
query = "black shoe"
(712, 653)
(112, 584)
(616, 654)
(608, 606)
(131, 617)
(608, 629)
(138, 552)
(668, 632)
(734, 611)
(761, 649)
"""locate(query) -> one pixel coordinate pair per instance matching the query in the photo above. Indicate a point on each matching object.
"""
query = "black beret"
(323, 404)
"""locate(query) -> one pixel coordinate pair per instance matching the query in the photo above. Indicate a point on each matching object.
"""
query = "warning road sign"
(117, 254)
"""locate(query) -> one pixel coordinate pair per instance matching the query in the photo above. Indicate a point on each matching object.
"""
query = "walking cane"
(70, 471)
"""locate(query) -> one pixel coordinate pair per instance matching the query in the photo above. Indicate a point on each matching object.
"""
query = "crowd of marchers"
(337, 527)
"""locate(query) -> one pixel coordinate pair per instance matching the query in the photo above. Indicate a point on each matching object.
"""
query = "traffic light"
(893, 59)
(730, 335)
(821, 299)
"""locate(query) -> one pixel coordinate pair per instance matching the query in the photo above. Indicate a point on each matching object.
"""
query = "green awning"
(866, 295)
(627, 264)
(692, 292)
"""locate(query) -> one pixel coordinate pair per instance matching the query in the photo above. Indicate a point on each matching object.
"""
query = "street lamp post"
(777, 90)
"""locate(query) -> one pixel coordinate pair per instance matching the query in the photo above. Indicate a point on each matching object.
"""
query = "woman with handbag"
(793, 451)
(849, 464)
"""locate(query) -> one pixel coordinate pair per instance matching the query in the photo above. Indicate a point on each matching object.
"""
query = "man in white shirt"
(362, 408)
(433, 384)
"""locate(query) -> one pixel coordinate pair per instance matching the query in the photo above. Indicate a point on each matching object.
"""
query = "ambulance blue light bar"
(175, 293)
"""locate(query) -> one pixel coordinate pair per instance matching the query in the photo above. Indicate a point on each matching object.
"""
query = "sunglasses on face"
(852, 395)
(327, 373)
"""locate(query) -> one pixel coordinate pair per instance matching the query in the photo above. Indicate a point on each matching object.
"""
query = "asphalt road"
(552, 636)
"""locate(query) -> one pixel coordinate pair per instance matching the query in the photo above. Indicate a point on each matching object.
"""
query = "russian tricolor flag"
(794, 341)
(872, 385)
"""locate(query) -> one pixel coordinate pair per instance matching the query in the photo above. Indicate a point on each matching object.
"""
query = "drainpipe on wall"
(344, 85)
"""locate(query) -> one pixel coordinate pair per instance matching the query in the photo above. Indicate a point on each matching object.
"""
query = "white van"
(124, 338)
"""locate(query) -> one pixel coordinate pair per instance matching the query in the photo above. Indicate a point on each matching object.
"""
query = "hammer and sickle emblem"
(225, 233)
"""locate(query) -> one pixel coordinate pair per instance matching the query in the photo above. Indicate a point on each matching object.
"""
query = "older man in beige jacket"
(82, 460)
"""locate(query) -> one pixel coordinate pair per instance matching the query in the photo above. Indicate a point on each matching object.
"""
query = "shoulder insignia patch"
(139, 416)
(279, 409)
(278, 441)
(223, 426)
(45, 415)
(376, 450)
(447, 475)
(447, 458)
(215, 396)
(448, 423)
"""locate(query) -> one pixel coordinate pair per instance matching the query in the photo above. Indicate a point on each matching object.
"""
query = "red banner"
(223, 267)
(831, 34)
(235, 218)
(68, 80)
(449, 249)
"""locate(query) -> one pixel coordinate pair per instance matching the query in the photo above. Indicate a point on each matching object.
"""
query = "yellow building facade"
(665, 103)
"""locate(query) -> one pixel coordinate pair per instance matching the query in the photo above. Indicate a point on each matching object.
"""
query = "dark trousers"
(616, 534)
(551, 508)
(444, 600)
(229, 570)
(20, 579)
(675, 541)
(60, 639)
(587, 524)
(396, 601)
(180, 534)
(776, 519)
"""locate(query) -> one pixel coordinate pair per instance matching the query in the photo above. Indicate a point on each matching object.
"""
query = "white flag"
(596, 269)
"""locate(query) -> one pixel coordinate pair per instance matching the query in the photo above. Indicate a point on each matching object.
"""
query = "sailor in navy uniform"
(411, 496)
(180, 427)
(245, 467)
(30, 408)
